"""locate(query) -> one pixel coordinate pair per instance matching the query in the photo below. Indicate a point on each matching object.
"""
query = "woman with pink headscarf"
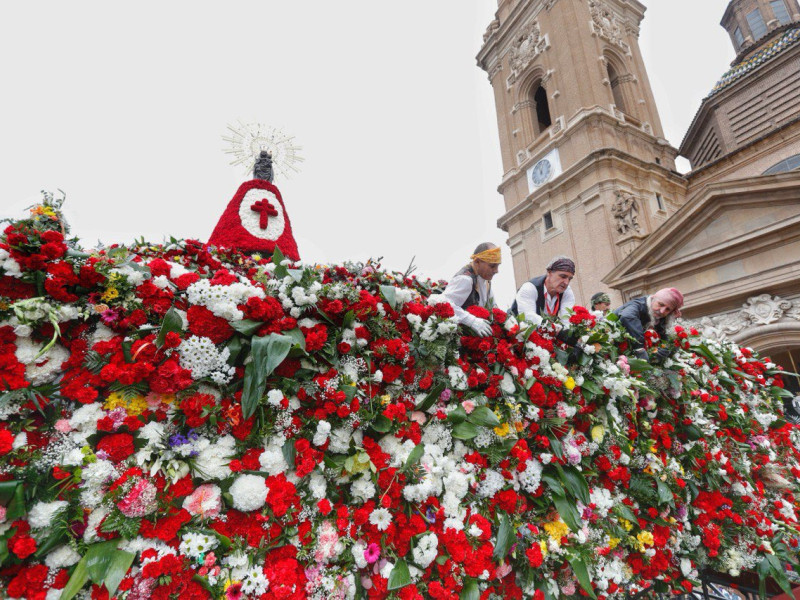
(658, 312)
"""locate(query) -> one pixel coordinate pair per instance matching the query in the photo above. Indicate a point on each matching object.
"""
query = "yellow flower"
(385, 399)
(543, 546)
(645, 539)
(556, 529)
(109, 294)
(503, 430)
(598, 433)
(613, 542)
(626, 525)
(569, 383)
(134, 405)
(519, 426)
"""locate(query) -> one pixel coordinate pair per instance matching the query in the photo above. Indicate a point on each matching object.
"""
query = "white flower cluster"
(426, 550)
(249, 492)
(223, 300)
(41, 515)
(9, 266)
(492, 484)
(195, 544)
(531, 477)
(201, 356)
(134, 276)
(212, 460)
(40, 369)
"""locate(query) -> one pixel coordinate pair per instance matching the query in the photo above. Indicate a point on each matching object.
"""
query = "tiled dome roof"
(788, 38)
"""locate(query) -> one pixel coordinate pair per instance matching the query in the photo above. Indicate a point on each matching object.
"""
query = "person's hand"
(481, 327)
(661, 355)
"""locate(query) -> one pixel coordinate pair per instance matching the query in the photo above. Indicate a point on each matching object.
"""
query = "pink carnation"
(205, 501)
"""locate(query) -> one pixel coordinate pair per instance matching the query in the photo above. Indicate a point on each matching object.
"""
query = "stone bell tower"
(587, 171)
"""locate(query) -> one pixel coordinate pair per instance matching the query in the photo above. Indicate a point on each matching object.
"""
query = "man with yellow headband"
(472, 286)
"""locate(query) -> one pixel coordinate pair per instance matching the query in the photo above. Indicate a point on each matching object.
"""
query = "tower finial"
(263, 167)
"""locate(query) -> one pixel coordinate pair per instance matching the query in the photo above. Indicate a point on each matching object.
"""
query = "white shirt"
(459, 289)
(527, 297)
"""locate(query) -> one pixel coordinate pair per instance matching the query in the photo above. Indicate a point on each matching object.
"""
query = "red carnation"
(6, 441)
(118, 446)
(534, 554)
(205, 323)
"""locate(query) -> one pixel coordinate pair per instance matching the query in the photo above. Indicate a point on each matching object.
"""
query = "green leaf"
(98, 558)
(470, 591)
(554, 484)
(247, 326)
(400, 576)
(484, 417)
(234, 347)
(505, 537)
(277, 258)
(458, 415)
(638, 365)
(267, 352)
(389, 292)
(16, 507)
(591, 387)
(569, 514)
(117, 568)
(582, 573)
(7, 490)
(76, 582)
(465, 431)
(626, 513)
(172, 323)
(289, 453)
(415, 456)
(431, 398)
(779, 574)
(382, 424)
(664, 493)
(298, 337)
(575, 482)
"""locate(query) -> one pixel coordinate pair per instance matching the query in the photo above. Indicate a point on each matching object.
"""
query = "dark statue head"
(263, 167)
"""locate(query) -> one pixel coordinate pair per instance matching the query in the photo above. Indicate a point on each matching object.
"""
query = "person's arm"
(567, 304)
(456, 293)
(629, 317)
(526, 303)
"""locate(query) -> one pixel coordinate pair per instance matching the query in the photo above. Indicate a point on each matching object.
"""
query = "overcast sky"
(124, 108)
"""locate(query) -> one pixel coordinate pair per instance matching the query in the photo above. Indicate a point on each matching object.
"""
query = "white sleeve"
(567, 303)
(456, 293)
(526, 303)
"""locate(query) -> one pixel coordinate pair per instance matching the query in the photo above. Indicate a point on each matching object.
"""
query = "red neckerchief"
(555, 310)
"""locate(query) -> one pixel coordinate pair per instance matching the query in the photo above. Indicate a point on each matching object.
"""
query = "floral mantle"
(178, 422)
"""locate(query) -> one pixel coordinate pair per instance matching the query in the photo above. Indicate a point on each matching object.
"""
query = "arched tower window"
(542, 109)
(616, 90)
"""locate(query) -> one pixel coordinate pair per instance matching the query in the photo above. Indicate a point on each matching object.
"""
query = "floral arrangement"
(179, 422)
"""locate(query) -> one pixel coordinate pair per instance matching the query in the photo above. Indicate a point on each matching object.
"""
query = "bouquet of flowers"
(178, 421)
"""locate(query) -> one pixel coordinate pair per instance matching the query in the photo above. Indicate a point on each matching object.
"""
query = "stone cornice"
(646, 262)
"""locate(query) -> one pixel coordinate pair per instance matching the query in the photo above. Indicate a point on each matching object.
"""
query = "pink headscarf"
(671, 297)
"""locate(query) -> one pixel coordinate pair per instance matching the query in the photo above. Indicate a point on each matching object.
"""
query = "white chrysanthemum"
(275, 397)
(40, 369)
(340, 440)
(255, 582)
(249, 492)
(134, 276)
(212, 460)
(196, 545)
(223, 300)
(317, 484)
(357, 550)
(9, 265)
(381, 518)
(42, 513)
(458, 379)
(201, 356)
(62, 557)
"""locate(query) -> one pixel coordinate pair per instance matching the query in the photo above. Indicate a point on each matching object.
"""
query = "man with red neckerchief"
(549, 294)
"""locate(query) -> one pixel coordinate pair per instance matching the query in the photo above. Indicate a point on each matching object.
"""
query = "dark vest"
(474, 298)
(538, 283)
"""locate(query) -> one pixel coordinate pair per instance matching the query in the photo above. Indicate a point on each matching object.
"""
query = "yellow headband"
(491, 256)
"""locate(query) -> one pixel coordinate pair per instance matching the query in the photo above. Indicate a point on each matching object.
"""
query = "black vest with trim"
(474, 298)
(538, 283)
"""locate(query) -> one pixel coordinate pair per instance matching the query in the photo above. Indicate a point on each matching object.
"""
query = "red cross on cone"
(256, 221)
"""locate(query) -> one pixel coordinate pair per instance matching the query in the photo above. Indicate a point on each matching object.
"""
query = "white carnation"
(62, 557)
(249, 492)
(42, 513)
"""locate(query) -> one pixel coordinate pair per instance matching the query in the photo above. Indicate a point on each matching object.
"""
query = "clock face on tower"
(541, 172)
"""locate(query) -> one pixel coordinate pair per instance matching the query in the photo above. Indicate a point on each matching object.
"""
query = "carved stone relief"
(491, 29)
(757, 311)
(607, 24)
(626, 213)
(526, 46)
